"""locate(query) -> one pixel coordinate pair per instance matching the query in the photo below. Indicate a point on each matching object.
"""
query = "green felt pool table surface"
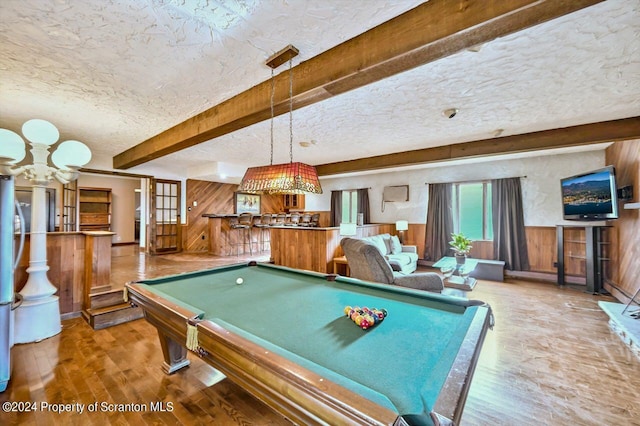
(401, 363)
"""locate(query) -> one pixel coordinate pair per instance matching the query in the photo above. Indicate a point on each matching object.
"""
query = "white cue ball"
(239, 281)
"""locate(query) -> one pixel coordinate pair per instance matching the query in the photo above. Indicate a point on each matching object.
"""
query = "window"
(349, 206)
(472, 210)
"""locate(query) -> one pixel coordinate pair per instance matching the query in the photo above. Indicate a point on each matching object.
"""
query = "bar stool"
(294, 219)
(280, 219)
(315, 220)
(262, 223)
(305, 220)
(241, 227)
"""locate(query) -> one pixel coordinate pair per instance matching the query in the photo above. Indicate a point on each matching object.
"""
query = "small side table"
(456, 281)
(341, 261)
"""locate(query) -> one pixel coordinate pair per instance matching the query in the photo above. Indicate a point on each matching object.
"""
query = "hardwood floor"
(551, 359)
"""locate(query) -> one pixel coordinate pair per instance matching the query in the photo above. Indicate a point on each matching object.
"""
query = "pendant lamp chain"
(290, 112)
(273, 89)
(285, 178)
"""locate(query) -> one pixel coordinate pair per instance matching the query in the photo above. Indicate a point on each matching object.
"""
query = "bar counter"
(219, 228)
(314, 249)
(300, 247)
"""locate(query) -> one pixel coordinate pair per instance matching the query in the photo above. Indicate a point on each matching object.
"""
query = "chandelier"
(286, 178)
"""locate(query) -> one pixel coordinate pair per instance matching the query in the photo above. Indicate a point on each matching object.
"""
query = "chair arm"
(410, 249)
(429, 281)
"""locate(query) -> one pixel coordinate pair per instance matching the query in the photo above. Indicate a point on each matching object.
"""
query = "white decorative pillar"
(39, 315)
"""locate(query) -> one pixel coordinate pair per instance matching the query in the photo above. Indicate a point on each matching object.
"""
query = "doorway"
(165, 217)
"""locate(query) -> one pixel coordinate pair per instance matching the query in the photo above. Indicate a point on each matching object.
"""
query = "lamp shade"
(402, 225)
(12, 147)
(288, 178)
(71, 154)
(40, 131)
(348, 229)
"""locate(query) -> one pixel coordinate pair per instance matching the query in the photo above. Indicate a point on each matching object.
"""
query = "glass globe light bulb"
(12, 146)
(71, 154)
(40, 131)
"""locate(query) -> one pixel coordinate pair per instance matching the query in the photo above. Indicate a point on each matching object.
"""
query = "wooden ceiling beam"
(431, 31)
(586, 134)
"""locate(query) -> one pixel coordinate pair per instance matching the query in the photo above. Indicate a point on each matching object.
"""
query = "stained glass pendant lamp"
(286, 178)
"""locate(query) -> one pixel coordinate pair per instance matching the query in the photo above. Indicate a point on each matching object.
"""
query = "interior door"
(69, 206)
(165, 217)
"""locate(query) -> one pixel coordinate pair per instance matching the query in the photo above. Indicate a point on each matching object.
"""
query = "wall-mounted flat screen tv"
(591, 195)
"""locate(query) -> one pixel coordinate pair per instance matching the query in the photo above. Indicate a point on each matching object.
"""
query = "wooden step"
(109, 316)
(106, 298)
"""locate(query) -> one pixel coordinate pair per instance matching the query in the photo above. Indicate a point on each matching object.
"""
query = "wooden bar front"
(219, 237)
(78, 261)
(314, 249)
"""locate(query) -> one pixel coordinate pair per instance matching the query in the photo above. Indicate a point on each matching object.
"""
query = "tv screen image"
(590, 196)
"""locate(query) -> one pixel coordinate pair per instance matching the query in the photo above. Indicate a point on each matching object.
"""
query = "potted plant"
(461, 245)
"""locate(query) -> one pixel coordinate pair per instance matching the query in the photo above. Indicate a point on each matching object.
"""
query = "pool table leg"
(175, 355)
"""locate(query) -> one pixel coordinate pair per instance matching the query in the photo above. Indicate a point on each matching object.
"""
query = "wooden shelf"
(95, 209)
(588, 255)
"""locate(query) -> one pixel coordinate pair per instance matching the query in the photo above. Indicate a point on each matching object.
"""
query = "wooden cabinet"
(95, 209)
(293, 201)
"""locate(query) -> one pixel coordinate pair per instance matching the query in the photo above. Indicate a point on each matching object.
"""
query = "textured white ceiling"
(113, 73)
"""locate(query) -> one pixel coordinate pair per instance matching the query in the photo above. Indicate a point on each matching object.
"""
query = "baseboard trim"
(70, 315)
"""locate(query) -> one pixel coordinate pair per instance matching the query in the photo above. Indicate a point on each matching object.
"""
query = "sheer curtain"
(509, 237)
(363, 205)
(336, 208)
(439, 221)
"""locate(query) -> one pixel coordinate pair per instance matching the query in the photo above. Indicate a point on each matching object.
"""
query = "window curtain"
(509, 238)
(336, 208)
(439, 221)
(363, 205)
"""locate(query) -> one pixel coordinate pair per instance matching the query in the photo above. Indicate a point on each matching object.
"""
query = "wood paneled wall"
(214, 197)
(65, 257)
(625, 280)
(541, 244)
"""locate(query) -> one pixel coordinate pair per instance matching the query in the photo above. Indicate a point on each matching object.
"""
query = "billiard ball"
(239, 281)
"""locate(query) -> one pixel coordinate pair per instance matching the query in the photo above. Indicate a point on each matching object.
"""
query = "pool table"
(283, 336)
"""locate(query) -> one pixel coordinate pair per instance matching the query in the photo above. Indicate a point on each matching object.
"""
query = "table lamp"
(401, 226)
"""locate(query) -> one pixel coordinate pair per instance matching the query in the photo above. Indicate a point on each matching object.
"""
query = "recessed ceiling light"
(450, 112)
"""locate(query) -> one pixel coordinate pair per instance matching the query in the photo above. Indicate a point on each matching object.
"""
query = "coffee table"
(455, 280)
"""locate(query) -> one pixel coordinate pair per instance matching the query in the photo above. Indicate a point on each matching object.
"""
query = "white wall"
(122, 202)
(540, 190)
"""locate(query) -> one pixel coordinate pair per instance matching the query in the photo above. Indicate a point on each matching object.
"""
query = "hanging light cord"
(273, 89)
(290, 113)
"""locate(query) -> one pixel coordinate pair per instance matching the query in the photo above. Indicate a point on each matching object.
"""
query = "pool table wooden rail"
(451, 400)
(298, 394)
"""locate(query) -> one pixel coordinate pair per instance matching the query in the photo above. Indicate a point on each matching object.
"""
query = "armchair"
(367, 263)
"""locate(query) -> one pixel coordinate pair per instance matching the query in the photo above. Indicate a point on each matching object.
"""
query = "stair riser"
(109, 319)
(106, 299)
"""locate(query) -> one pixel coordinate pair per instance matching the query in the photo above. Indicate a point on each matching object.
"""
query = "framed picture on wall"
(249, 203)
